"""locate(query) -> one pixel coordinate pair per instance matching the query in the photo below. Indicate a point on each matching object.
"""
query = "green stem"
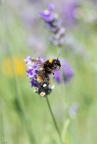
(55, 123)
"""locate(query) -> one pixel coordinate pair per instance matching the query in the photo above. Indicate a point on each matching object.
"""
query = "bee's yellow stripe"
(50, 60)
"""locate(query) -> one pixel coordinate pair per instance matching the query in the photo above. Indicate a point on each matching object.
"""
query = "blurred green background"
(24, 116)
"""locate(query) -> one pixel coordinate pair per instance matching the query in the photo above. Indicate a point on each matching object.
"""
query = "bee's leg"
(48, 69)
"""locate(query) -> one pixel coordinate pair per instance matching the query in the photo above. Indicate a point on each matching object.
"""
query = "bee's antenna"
(58, 56)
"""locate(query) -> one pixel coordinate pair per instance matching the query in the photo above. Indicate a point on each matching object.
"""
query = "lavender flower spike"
(32, 67)
(54, 24)
(66, 73)
(47, 15)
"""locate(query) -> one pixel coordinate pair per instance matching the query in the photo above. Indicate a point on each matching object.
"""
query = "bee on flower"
(38, 72)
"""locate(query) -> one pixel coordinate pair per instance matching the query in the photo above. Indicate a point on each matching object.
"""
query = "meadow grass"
(27, 118)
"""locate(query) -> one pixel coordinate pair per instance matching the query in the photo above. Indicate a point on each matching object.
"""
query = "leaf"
(65, 129)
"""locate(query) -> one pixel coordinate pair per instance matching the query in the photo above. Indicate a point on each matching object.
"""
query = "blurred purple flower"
(65, 74)
(48, 15)
(54, 24)
(51, 7)
(69, 11)
(57, 76)
(67, 71)
(95, 2)
(73, 109)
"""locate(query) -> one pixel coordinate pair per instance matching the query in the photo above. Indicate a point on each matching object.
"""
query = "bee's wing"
(38, 62)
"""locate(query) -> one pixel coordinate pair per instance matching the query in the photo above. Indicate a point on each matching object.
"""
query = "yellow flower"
(17, 66)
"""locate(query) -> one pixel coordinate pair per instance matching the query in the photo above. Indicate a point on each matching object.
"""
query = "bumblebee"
(46, 68)
(51, 65)
(42, 77)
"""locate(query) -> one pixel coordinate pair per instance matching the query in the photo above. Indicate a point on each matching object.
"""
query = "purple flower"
(51, 7)
(32, 67)
(48, 15)
(54, 24)
(67, 71)
(73, 110)
(69, 11)
(33, 83)
(65, 74)
(27, 59)
(31, 73)
(29, 62)
(40, 59)
(95, 2)
(57, 76)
